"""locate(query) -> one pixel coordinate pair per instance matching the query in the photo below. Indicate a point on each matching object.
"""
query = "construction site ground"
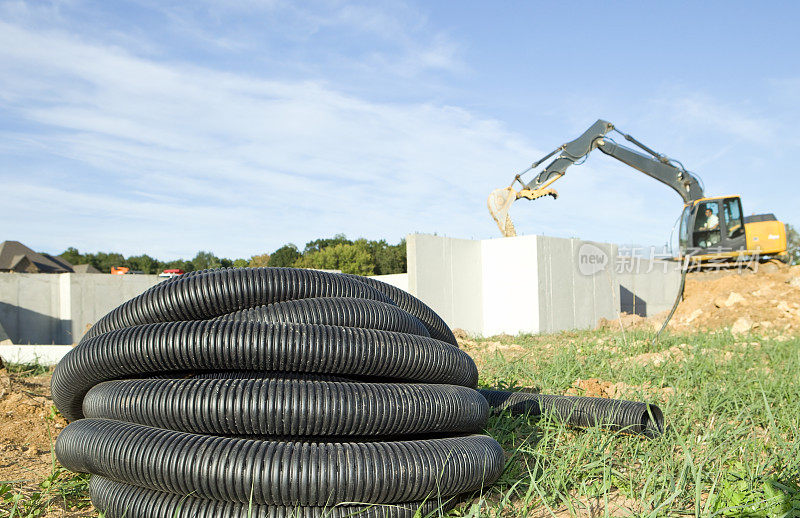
(728, 391)
(764, 301)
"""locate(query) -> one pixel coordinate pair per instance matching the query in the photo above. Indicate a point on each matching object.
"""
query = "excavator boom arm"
(656, 166)
(653, 164)
(571, 152)
(682, 181)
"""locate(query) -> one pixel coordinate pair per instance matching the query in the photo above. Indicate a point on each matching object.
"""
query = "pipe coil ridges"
(273, 392)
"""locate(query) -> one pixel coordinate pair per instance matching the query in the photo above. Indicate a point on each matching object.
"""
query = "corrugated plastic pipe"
(626, 416)
(272, 392)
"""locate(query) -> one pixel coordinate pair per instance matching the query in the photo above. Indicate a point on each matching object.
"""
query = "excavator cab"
(713, 228)
(713, 225)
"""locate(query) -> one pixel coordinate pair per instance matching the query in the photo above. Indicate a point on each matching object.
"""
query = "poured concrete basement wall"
(91, 296)
(39, 308)
(647, 287)
(509, 286)
(528, 284)
(30, 308)
(441, 271)
(571, 294)
(533, 284)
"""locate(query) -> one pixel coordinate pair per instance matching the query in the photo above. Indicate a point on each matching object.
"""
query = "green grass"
(60, 490)
(24, 370)
(731, 405)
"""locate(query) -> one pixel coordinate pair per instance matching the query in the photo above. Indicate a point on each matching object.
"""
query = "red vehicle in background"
(124, 270)
(171, 272)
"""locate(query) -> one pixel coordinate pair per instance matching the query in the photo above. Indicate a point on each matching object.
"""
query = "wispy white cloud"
(121, 137)
(251, 163)
(393, 39)
(739, 121)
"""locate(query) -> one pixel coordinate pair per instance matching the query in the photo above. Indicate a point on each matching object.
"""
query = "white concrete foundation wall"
(531, 284)
(91, 296)
(526, 284)
(571, 297)
(509, 274)
(29, 354)
(30, 308)
(647, 287)
(446, 274)
(60, 308)
(40, 308)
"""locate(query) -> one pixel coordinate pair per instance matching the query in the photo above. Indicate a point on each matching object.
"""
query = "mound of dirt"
(741, 302)
(628, 321)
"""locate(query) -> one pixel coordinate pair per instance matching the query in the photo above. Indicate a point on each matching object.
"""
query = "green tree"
(349, 258)
(319, 244)
(206, 260)
(388, 258)
(286, 255)
(179, 264)
(336, 253)
(144, 263)
(72, 256)
(104, 261)
(793, 244)
(258, 260)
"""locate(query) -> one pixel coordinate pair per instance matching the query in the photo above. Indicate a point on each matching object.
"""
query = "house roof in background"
(66, 265)
(16, 257)
(85, 268)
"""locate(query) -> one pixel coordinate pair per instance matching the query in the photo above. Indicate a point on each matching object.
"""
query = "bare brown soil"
(741, 302)
(29, 425)
(613, 503)
(595, 387)
(28, 428)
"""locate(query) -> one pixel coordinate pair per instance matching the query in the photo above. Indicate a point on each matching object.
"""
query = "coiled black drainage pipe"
(276, 392)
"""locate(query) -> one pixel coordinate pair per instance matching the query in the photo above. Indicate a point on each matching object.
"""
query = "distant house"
(16, 257)
(84, 268)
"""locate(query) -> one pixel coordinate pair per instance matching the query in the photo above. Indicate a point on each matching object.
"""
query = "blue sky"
(238, 126)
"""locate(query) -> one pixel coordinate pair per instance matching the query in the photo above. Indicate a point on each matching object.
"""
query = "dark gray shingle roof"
(16, 257)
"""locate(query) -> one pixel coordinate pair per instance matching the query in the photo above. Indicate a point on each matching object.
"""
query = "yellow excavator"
(712, 229)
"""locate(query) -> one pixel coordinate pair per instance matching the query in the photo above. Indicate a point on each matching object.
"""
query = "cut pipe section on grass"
(625, 416)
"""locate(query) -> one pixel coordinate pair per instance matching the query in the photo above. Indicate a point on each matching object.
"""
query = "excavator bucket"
(499, 202)
(534, 194)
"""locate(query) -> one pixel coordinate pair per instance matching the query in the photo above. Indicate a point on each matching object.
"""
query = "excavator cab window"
(732, 208)
(706, 225)
(683, 236)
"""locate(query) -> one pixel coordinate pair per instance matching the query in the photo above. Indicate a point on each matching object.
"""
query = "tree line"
(360, 257)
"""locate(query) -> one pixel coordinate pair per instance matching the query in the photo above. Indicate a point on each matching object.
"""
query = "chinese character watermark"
(592, 259)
